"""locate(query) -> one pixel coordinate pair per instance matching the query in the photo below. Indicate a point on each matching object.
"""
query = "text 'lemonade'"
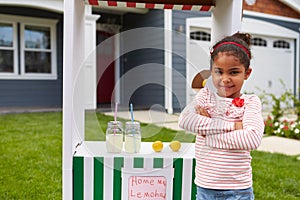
(132, 137)
(114, 137)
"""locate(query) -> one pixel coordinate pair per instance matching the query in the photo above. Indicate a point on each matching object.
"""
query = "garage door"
(272, 63)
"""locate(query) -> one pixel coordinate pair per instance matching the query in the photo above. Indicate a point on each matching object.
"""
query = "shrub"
(285, 128)
(276, 123)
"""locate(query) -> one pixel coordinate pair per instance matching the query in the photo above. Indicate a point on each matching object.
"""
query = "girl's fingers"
(201, 111)
(198, 109)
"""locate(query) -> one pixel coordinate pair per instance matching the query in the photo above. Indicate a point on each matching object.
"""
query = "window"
(200, 35)
(281, 44)
(258, 42)
(7, 48)
(27, 48)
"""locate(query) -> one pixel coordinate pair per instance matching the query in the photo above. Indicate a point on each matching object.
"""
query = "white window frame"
(19, 72)
(14, 48)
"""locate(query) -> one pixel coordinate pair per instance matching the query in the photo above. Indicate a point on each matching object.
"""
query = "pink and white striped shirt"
(223, 159)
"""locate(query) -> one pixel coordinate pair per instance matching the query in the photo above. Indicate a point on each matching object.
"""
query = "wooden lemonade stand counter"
(146, 175)
(88, 171)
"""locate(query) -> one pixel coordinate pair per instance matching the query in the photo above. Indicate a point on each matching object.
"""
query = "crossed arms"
(222, 133)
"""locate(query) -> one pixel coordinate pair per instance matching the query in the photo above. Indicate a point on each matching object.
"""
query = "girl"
(228, 124)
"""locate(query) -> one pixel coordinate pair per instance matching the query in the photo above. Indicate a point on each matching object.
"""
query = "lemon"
(157, 146)
(204, 82)
(175, 145)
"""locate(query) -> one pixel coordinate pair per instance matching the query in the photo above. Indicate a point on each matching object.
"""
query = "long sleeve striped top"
(223, 159)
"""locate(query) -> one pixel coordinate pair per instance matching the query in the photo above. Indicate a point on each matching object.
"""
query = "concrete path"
(15, 110)
(271, 144)
(275, 144)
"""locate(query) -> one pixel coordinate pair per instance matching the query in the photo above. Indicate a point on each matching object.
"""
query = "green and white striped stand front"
(101, 177)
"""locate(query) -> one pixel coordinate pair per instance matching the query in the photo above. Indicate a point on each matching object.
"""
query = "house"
(138, 60)
(148, 66)
(31, 53)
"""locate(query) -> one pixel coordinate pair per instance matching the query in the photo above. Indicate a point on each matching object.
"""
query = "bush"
(276, 122)
(285, 128)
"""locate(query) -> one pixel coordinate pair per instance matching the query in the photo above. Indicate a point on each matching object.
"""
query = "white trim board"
(251, 26)
(265, 28)
(270, 16)
(52, 5)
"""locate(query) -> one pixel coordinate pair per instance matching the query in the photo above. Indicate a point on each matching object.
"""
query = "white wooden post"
(73, 56)
(226, 18)
(90, 65)
(168, 60)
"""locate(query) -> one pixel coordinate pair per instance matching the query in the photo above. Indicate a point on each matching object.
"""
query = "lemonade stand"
(89, 171)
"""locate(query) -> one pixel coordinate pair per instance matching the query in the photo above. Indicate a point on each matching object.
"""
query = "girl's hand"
(238, 125)
(201, 111)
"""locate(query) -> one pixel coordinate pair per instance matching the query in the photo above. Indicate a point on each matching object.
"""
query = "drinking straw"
(116, 110)
(115, 116)
(131, 111)
(132, 119)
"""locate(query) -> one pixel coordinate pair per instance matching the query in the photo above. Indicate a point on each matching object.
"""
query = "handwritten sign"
(147, 183)
(147, 187)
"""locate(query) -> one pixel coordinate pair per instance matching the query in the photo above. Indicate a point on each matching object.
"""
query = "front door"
(105, 74)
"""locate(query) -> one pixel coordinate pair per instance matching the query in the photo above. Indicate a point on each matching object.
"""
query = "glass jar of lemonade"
(132, 137)
(114, 137)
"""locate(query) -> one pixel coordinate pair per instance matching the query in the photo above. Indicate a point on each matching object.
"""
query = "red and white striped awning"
(195, 5)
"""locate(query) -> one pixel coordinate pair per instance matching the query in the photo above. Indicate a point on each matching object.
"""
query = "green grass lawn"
(31, 162)
(30, 152)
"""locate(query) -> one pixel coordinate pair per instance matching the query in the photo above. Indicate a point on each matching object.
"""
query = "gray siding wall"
(142, 67)
(179, 58)
(34, 92)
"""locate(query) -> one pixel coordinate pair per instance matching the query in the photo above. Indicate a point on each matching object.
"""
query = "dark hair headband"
(233, 43)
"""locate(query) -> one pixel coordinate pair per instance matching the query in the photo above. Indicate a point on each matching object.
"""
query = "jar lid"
(114, 123)
(132, 123)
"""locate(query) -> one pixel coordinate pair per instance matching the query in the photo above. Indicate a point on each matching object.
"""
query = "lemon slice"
(157, 146)
(175, 145)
